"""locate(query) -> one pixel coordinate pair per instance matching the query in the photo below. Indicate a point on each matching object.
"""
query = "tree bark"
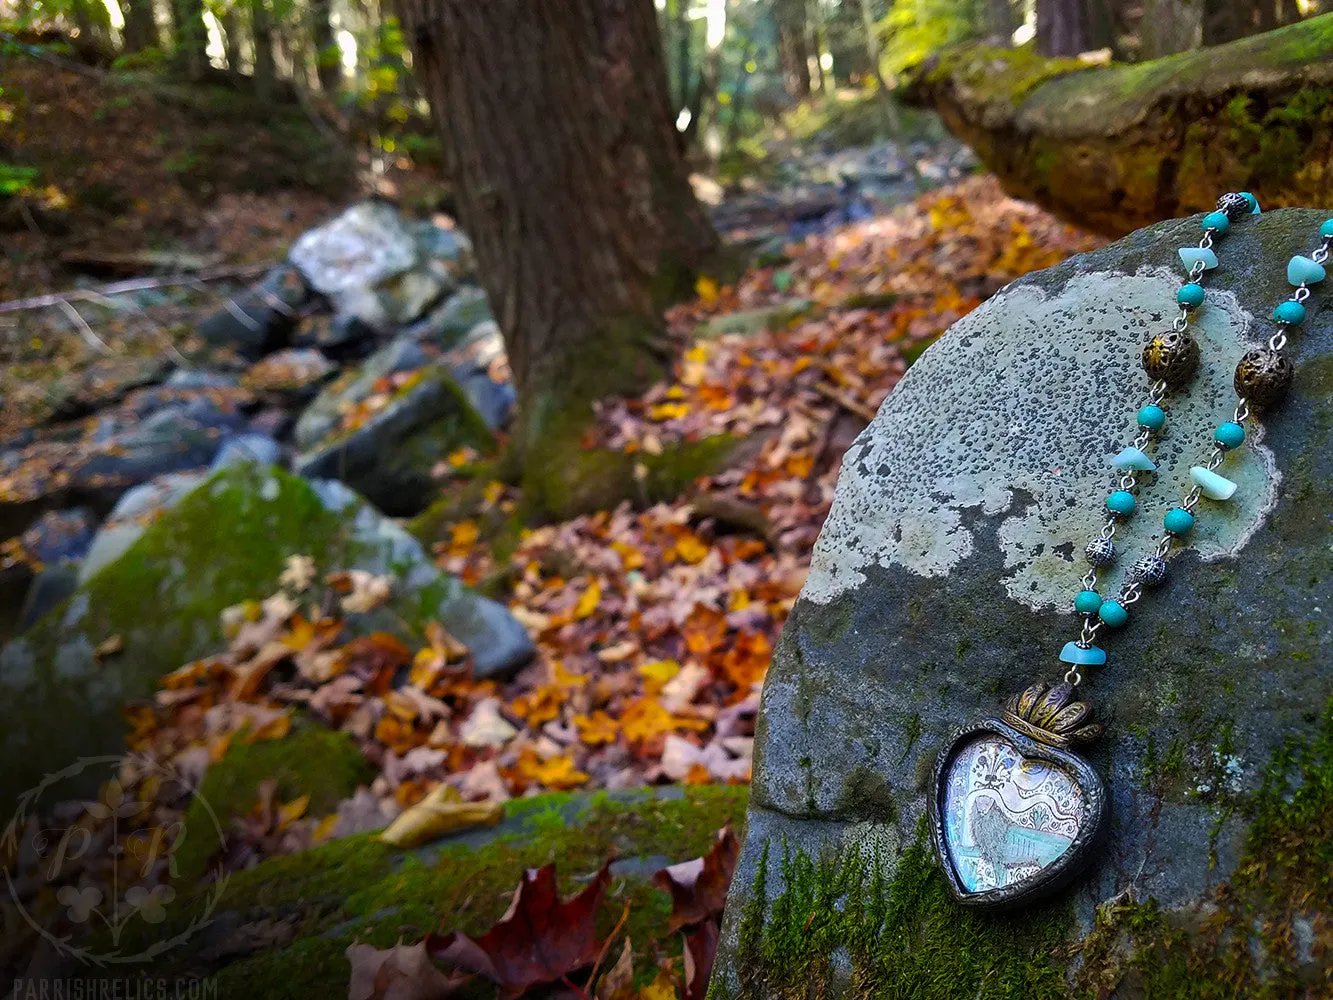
(261, 30)
(1223, 21)
(1000, 21)
(140, 25)
(233, 37)
(793, 53)
(1061, 27)
(573, 187)
(328, 58)
(1170, 26)
(191, 37)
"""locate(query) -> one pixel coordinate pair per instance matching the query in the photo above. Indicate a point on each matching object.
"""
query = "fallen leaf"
(556, 772)
(698, 888)
(657, 675)
(645, 718)
(298, 573)
(108, 647)
(661, 988)
(403, 972)
(486, 727)
(539, 940)
(588, 600)
(597, 728)
(617, 983)
(700, 950)
(363, 591)
(442, 811)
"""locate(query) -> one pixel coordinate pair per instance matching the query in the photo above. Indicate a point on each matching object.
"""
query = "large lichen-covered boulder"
(1118, 147)
(223, 542)
(943, 581)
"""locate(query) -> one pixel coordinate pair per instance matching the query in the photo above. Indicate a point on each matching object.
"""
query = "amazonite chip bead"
(1217, 221)
(1191, 294)
(1229, 435)
(1087, 602)
(1326, 229)
(1304, 271)
(1290, 311)
(1189, 256)
(1178, 521)
(1076, 654)
(1152, 417)
(1121, 503)
(1133, 458)
(1113, 613)
(1211, 485)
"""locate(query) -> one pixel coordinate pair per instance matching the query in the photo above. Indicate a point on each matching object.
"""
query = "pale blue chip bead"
(1211, 485)
(1189, 256)
(1304, 271)
(1133, 458)
(1076, 654)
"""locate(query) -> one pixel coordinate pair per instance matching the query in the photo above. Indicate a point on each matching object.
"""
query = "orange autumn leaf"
(462, 537)
(597, 728)
(645, 718)
(690, 548)
(698, 775)
(541, 705)
(588, 600)
(656, 675)
(704, 630)
(561, 677)
(746, 662)
(276, 728)
(556, 772)
(630, 557)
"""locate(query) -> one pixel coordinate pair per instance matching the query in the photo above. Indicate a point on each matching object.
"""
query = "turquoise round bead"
(1113, 613)
(1229, 435)
(1121, 503)
(1178, 521)
(1254, 202)
(1290, 311)
(1327, 228)
(1217, 221)
(1190, 296)
(1087, 602)
(1152, 417)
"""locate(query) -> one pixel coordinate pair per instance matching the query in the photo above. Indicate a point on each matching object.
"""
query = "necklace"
(1015, 812)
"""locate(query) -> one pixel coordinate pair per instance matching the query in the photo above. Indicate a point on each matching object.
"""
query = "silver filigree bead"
(1234, 205)
(1100, 552)
(1149, 571)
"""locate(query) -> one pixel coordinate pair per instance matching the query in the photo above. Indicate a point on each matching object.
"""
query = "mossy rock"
(313, 761)
(1118, 147)
(748, 322)
(359, 889)
(223, 543)
(927, 605)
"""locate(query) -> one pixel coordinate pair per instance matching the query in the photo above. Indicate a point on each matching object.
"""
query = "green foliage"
(913, 29)
(16, 180)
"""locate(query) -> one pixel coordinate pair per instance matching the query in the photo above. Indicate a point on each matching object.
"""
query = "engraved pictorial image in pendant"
(1015, 813)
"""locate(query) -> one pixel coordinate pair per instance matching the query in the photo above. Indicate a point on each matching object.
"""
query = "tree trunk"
(1000, 21)
(1099, 17)
(328, 57)
(93, 20)
(140, 25)
(573, 188)
(233, 37)
(191, 38)
(888, 109)
(261, 29)
(1061, 27)
(793, 53)
(1170, 26)
(815, 21)
(680, 26)
(1224, 21)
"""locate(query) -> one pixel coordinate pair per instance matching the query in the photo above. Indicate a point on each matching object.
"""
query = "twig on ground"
(86, 331)
(845, 400)
(132, 285)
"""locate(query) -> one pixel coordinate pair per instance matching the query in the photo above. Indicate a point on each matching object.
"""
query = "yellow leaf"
(697, 353)
(690, 549)
(563, 678)
(630, 557)
(646, 718)
(657, 674)
(493, 491)
(442, 811)
(597, 728)
(588, 600)
(706, 288)
(668, 411)
(462, 536)
(324, 829)
(290, 812)
(461, 457)
(276, 728)
(557, 772)
(661, 988)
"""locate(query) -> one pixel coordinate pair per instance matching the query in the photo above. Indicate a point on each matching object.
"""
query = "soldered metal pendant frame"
(1039, 725)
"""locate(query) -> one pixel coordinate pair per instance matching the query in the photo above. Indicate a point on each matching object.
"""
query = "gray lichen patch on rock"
(1052, 383)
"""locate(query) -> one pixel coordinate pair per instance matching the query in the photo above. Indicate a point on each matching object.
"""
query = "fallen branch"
(86, 331)
(846, 401)
(131, 285)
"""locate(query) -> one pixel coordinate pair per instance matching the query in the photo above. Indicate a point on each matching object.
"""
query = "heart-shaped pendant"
(1015, 814)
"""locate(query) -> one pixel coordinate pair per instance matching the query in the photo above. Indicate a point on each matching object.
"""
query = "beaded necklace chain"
(1015, 812)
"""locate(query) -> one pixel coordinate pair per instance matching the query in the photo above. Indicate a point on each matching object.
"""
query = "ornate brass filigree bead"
(1263, 377)
(1172, 357)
